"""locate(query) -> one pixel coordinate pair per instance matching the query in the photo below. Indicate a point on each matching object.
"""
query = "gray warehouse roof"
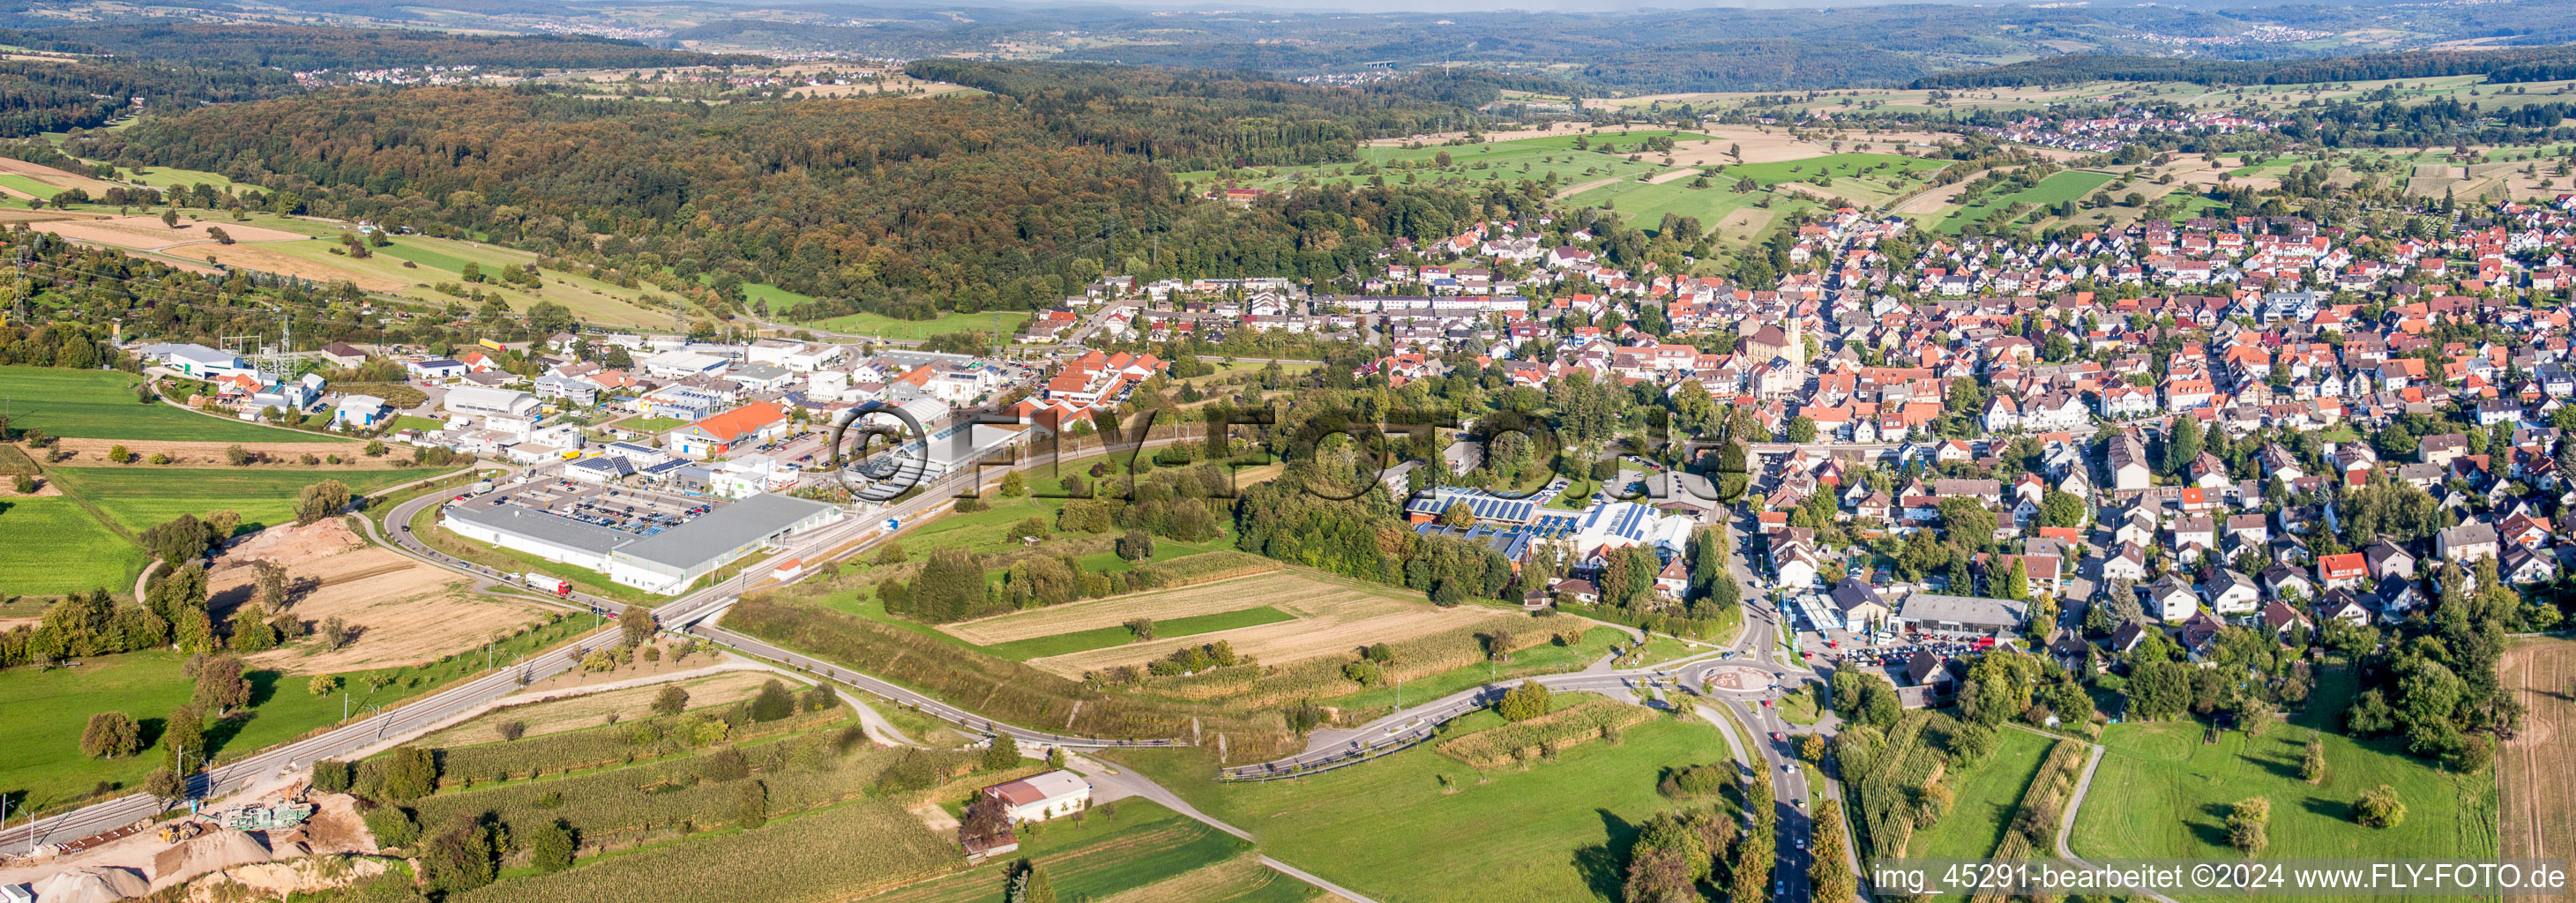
(1975, 610)
(724, 529)
(543, 527)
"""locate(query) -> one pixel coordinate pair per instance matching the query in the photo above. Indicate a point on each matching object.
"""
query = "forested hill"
(305, 48)
(1197, 119)
(901, 206)
(47, 96)
(2514, 65)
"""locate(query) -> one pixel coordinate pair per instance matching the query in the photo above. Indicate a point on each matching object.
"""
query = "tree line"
(2513, 65)
(299, 48)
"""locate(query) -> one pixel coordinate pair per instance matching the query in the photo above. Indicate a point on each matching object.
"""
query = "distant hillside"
(305, 48)
(49, 96)
(2514, 65)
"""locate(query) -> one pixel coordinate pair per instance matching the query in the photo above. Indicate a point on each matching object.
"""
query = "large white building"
(489, 402)
(197, 361)
(1041, 797)
(1616, 524)
(665, 562)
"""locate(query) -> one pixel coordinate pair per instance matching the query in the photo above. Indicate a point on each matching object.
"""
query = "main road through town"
(685, 612)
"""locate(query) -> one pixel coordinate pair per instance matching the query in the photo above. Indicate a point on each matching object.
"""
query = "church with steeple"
(1772, 343)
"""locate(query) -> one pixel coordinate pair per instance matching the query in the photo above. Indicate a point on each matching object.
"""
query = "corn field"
(1256, 686)
(1204, 567)
(618, 807)
(1007, 691)
(1890, 778)
(836, 853)
(1546, 734)
(617, 744)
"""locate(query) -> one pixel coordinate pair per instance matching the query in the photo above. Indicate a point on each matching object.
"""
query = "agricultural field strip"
(1206, 598)
(1103, 637)
(1328, 623)
(2538, 773)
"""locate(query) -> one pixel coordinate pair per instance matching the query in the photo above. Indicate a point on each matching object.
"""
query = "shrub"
(2379, 807)
(773, 703)
(408, 773)
(671, 701)
(551, 845)
(392, 825)
(512, 730)
(1545, 735)
(1524, 702)
(752, 804)
(727, 764)
(1004, 753)
(333, 776)
(1696, 781)
(111, 735)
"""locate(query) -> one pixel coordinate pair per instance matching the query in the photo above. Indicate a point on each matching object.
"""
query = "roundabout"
(1738, 678)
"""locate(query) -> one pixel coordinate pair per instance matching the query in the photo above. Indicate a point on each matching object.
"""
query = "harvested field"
(148, 234)
(1203, 599)
(405, 612)
(40, 216)
(92, 452)
(2537, 769)
(590, 710)
(51, 176)
(1436, 138)
(1934, 199)
(1332, 619)
(1772, 146)
(270, 261)
(291, 545)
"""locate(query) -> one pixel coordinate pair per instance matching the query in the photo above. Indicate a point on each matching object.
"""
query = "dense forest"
(303, 48)
(44, 96)
(1770, 64)
(896, 206)
(1200, 119)
(2537, 64)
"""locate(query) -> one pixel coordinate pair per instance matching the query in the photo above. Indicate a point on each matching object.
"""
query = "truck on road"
(557, 586)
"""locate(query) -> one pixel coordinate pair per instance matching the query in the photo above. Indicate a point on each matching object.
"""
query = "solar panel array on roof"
(1485, 506)
(1556, 523)
(611, 467)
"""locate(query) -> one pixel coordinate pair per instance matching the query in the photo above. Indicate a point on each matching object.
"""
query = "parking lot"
(808, 450)
(617, 508)
(1895, 654)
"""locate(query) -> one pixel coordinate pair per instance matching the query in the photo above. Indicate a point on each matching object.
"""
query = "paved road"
(1753, 647)
(430, 709)
(410, 716)
(1419, 722)
(926, 704)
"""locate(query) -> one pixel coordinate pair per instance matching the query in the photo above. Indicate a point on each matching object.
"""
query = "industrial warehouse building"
(665, 562)
(1972, 614)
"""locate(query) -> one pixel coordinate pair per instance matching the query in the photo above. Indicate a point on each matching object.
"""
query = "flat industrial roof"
(544, 527)
(1963, 609)
(724, 529)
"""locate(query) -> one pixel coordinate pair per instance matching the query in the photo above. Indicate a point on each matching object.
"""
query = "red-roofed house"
(750, 424)
(2345, 571)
